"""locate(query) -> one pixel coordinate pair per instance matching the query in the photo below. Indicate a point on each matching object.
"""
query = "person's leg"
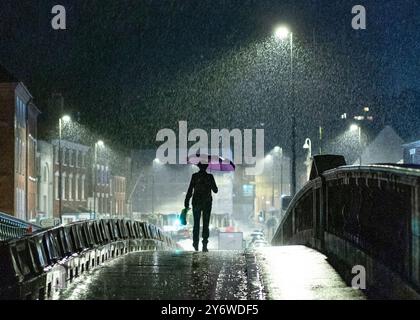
(196, 227)
(206, 222)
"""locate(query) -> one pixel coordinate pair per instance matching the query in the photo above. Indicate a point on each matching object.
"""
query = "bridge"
(345, 216)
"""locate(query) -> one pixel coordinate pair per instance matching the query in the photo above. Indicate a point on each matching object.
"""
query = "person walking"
(200, 188)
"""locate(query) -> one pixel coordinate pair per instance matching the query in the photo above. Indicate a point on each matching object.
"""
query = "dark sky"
(133, 67)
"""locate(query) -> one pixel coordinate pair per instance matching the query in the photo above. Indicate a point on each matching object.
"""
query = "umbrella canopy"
(215, 163)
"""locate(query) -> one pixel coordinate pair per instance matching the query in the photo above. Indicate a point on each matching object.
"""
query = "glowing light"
(354, 127)
(100, 143)
(268, 157)
(66, 118)
(277, 149)
(281, 32)
(307, 144)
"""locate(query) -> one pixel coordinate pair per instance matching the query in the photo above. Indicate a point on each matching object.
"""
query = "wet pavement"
(293, 272)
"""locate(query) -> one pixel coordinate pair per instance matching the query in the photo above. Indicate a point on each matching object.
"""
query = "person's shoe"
(195, 247)
(205, 249)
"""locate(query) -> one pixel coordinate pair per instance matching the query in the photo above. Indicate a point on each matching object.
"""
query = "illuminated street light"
(66, 118)
(277, 149)
(281, 32)
(308, 146)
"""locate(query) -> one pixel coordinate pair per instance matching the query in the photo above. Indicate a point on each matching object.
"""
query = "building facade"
(45, 165)
(100, 198)
(270, 185)
(74, 179)
(119, 199)
(411, 152)
(18, 145)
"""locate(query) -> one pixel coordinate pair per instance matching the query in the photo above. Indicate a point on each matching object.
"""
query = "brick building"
(18, 145)
(119, 199)
(74, 174)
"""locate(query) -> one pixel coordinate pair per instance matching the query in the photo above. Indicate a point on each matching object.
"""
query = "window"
(70, 187)
(83, 187)
(413, 156)
(20, 112)
(76, 160)
(70, 158)
(20, 203)
(17, 149)
(63, 155)
(63, 183)
(56, 184)
(56, 154)
(102, 173)
(76, 188)
(44, 205)
(22, 157)
(45, 173)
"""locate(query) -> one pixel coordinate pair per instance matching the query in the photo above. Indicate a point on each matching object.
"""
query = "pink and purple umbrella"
(215, 163)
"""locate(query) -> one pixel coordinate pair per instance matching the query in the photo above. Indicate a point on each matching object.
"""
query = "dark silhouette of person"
(201, 186)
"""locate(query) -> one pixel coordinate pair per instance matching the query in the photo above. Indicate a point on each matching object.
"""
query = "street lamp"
(99, 144)
(64, 119)
(308, 146)
(281, 33)
(278, 149)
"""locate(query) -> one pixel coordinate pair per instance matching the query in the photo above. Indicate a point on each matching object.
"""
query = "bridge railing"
(37, 266)
(362, 215)
(11, 227)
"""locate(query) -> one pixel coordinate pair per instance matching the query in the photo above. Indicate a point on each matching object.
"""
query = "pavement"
(290, 272)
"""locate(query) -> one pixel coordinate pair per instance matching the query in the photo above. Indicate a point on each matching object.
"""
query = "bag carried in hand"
(183, 216)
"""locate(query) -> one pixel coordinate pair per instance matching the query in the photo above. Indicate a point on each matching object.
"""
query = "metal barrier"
(362, 215)
(37, 265)
(12, 227)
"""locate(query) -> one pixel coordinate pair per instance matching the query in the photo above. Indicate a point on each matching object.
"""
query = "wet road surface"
(292, 272)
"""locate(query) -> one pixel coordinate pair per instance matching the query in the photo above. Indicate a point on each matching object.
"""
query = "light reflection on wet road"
(293, 272)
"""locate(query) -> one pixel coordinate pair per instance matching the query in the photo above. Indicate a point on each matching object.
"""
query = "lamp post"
(99, 143)
(63, 119)
(308, 146)
(278, 150)
(282, 33)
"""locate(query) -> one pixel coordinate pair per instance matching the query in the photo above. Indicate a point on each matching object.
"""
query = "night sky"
(129, 68)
